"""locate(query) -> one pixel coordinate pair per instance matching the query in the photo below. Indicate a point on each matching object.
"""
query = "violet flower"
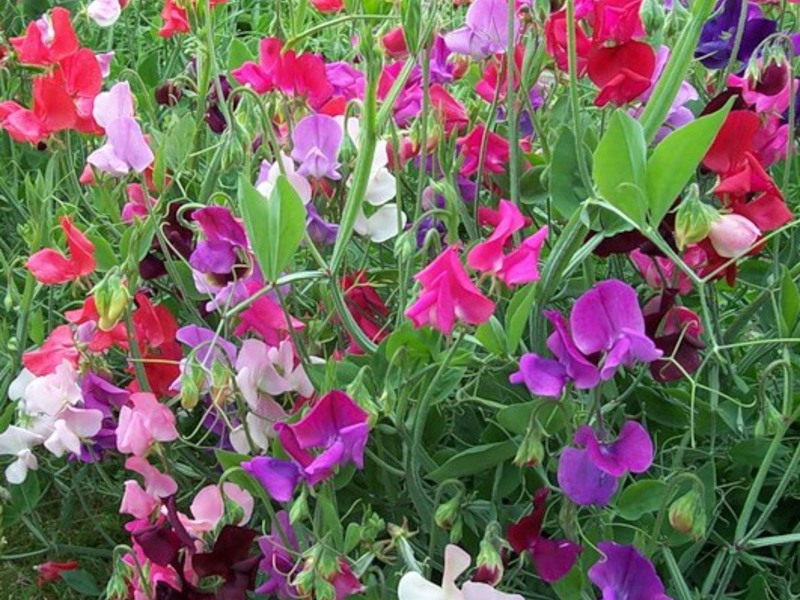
(101, 395)
(552, 559)
(319, 230)
(336, 425)
(606, 329)
(316, 142)
(716, 39)
(624, 573)
(225, 241)
(278, 562)
(485, 31)
(588, 475)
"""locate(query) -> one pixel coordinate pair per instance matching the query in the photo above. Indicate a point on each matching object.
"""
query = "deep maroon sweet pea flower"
(624, 573)
(588, 474)
(716, 39)
(278, 562)
(230, 559)
(676, 331)
(337, 426)
(224, 241)
(552, 559)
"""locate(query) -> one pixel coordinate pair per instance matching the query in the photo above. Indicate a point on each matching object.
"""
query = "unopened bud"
(653, 16)
(733, 235)
(111, 298)
(770, 421)
(490, 560)
(447, 513)
(531, 450)
(168, 94)
(688, 515)
(693, 219)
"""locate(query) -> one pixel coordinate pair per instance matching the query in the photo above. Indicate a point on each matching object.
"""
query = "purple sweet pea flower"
(485, 32)
(210, 346)
(441, 69)
(225, 241)
(624, 573)
(347, 81)
(588, 474)
(100, 394)
(336, 425)
(279, 563)
(319, 230)
(125, 149)
(716, 40)
(316, 142)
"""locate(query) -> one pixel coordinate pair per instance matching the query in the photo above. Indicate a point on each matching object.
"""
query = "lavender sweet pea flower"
(715, 47)
(485, 32)
(347, 81)
(624, 573)
(581, 481)
(125, 150)
(316, 142)
(608, 319)
(319, 230)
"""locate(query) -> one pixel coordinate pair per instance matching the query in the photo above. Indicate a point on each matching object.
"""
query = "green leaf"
(620, 166)
(675, 160)
(643, 497)
(178, 142)
(25, 498)
(492, 337)
(515, 418)
(566, 188)
(519, 310)
(275, 225)
(228, 460)
(103, 252)
(239, 54)
(474, 460)
(790, 303)
(82, 582)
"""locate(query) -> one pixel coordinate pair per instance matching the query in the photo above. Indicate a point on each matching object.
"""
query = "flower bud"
(769, 422)
(653, 16)
(394, 43)
(733, 235)
(299, 509)
(693, 219)
(531, 450)
(168, 94)
(490, 560)
(688, 515)
(447, 513)
(111, 298)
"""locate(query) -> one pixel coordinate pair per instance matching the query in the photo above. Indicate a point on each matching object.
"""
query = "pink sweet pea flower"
(769, 89)
(143, 424)
(497, 154)
(48, 40)
(485, 31)
(104, 12)
(208, 507)
(51, 267)
(448, 294)
(733, 235)
(328, 6)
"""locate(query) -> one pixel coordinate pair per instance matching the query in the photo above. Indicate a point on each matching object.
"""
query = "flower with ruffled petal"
(623, 572)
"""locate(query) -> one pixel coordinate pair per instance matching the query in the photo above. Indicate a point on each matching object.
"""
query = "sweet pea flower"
(51, 267)
(733, 235)
(497, 154)
(208, 507)
(279, 561)
(143, 423)
(48, 40)
(335, 425)
(414, 586)
(617, 21)
(485, 31)
(621, 72)
(623, 572)
(448, 295)
(714, 49)
(18, 442)
(269, 370)
(328, 6)
(316, 140)
(588, 475)
(268, 178)
(552, 559)
(104, 12)
(768, 89)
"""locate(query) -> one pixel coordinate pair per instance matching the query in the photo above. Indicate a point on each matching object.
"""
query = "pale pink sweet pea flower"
(733, 235)
(104, 60)
(104, 12)
(269, 370)
(268, 178)
(485, 31)
(414, 586)
(143, 424)
(208, 507)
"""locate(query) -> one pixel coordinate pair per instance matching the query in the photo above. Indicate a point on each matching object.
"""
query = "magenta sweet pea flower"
(448, 294)
(624, 573)
(279, 562)
(224, 244)
(588, 474)
(485, 31)
(316, 142)
(552, 559)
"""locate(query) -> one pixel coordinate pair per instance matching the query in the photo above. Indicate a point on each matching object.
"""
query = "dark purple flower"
(223, 244)
(552, 559)
(101, 395)
(319, 230)
(624, 573)
(278, 562)
(716, 40)
(676, 331)
(230, 559)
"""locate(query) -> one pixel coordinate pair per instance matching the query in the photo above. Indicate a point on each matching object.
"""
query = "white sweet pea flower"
(414, 586)
(382, 225)
(104, 12)
(73, 425)
(16, 441)
(268, 179)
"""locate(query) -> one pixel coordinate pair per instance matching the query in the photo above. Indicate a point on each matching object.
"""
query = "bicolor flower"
(448, 294)
(588, 474)
(47, 40)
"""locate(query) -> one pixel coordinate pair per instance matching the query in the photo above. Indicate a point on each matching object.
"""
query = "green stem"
(572, 60)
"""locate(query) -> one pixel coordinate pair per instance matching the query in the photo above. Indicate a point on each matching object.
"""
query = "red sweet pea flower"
(617, 21)
(733, 142)
(82, 79)
(155, 330)
(175, 20)
(394, 43)
(328, 6)
(489, 86)
(46, 43)
(555, 31)
(367, 308)
(97, 340)
(293, 74)
(50, 266)
(450, 111)
(497, 151)
(51, 571)
(622, 72)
